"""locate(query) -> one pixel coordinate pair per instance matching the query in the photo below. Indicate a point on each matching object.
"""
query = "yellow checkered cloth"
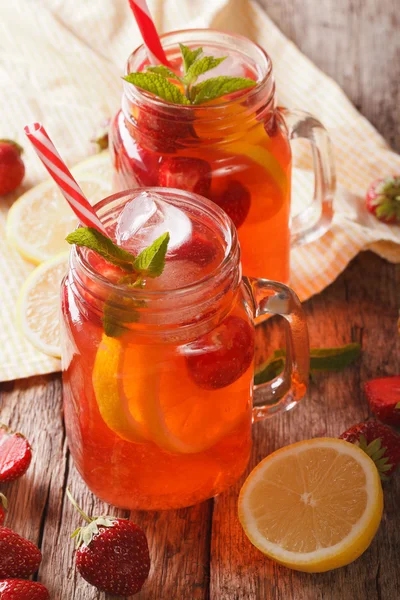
(60, 63)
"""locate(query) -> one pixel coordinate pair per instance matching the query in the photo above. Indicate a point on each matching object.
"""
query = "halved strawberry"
(383, 395)
(220, 357)
(379, 441)
(3, 508)
(186, 173)
(198, 249)
(15, 454)
(235, 200)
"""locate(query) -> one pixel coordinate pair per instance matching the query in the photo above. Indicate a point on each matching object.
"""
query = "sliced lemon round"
(312, 506)
(40, 219)
(118, 408)
(137, 396)
(39, 305)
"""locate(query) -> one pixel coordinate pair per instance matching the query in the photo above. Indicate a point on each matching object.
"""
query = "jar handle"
(314, 220)
(286, 390)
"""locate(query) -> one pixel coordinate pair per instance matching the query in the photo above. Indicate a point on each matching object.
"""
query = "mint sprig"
(172, 87)
(119, 309)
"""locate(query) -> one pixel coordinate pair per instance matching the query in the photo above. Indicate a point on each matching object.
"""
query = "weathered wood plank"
(361, 305)
(356, 42)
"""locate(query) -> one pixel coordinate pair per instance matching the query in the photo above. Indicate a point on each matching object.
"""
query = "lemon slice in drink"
(40, 219)
(112, 385)
(39, 304)
(145, 393)
(313, 506)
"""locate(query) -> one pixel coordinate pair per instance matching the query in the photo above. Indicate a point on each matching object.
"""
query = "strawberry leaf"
(397, 407)
(215, 87)
(157, 85)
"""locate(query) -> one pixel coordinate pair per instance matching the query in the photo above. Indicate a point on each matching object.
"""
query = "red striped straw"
(149, 33)
(59, 171)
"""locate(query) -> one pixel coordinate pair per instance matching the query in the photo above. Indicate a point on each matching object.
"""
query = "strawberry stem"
(3, 501)
(78, 508)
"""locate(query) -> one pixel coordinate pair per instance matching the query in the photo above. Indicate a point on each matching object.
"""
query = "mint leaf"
(204, 64)
(164, 72)
(189, 56)
(91, 238)
(215, 87)
(114, 318)
(151, 261)
(157, 85)
(321, 359)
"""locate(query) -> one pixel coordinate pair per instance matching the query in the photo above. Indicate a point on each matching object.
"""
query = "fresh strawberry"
(162, 132)
(112, 554)
(198, 249)
(220, 357)
(380, 442)
(383, 199)
(18, 556)
(12, 168)
(235, 201)
(20, 589)
(186, 173)
(15, 455)
(3, 508)
(383, 395)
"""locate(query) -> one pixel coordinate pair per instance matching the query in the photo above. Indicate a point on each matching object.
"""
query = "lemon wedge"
(313, 506)
(38, 305)
(40, 219)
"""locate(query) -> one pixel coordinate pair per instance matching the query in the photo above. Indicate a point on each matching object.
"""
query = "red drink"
(158, 380)
(233, 150)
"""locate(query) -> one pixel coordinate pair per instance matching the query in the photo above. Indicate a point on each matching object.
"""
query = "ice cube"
(135, 215)
(148, 216)
(232, 65)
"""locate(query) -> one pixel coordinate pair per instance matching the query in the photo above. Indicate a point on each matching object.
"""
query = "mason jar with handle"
(234, 150)
(158, 379)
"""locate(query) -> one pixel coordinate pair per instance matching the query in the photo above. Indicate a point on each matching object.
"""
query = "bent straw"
(59, 171)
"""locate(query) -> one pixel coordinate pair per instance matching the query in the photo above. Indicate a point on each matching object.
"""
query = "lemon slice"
(313, 506)
(40, 219)
(139, 399)
(39, 304)
(113, 390)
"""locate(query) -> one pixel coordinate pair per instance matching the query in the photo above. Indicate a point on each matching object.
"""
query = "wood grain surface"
(201, 553)
(357, 42)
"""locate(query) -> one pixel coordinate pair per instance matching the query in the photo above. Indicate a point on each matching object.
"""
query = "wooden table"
(201, 553)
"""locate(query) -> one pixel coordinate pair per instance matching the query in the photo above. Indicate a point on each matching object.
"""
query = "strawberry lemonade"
(209, 124)
(158, 361)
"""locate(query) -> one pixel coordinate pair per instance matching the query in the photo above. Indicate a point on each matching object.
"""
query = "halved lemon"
(39, 305)
(313, 506)
(40, 219)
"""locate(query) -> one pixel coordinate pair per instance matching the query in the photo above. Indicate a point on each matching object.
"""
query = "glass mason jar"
(234, 151)
(158, 413)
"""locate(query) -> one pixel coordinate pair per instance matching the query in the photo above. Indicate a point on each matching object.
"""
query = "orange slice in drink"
(313, 506)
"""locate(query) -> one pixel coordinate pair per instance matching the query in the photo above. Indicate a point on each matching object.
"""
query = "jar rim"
(230, 262)
(266, 81)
